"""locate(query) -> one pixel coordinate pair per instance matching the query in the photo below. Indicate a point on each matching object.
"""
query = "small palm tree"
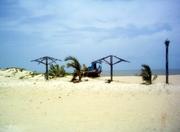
(74, 63)
(146, 74)
(56, 71)
(84, 70)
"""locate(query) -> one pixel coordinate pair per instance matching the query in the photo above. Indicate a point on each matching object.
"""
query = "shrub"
(146, 74)
(56, 71)
(34, 73)
(74, 63)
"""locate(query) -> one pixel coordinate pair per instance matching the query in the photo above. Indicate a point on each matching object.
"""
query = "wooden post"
(167, 63)
(46, 69)
(111, 65)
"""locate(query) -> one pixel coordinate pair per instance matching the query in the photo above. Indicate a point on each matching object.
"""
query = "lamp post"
(167, 63)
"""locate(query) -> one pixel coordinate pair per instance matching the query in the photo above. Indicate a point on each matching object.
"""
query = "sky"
(134, 30)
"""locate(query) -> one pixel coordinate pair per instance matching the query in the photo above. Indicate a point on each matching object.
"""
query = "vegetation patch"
(56, 71)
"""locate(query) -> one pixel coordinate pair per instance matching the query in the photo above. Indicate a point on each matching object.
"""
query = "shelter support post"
(111, 65)
(47, 76)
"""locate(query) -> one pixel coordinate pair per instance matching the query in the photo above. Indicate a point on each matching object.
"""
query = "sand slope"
(125, 105)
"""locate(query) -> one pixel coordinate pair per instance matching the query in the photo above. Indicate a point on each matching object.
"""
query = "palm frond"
(74, 63)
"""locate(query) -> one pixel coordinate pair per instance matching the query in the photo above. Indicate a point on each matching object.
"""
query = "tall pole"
(46, 69)
(167, 63)
(111, 65)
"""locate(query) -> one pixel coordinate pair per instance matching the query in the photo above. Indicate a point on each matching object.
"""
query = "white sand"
(125, 105)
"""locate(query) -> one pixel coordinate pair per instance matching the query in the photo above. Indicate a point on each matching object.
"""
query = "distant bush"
(22, 77)
(155, 77)
(34, 73)
(16, 69)
(146, 74)
(56, 71)
(21, 69)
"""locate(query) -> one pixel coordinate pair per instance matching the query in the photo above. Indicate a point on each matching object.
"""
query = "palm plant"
(74, 63)
(146, 74)
(56, 71)
(84, 70)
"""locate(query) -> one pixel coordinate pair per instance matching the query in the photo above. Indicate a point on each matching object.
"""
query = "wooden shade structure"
(46, 60)
(110, 61)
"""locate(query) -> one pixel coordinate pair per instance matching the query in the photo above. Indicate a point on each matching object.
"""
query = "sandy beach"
(31, 104)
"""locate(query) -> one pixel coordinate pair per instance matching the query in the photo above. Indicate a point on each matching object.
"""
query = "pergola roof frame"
(110, 62)
(46, 60)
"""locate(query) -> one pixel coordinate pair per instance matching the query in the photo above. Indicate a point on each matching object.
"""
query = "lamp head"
(167, 42)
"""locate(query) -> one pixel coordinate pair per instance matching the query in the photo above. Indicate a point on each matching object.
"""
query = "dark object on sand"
(108, 81)
(94, 70)
(146, 74)
(46, 60)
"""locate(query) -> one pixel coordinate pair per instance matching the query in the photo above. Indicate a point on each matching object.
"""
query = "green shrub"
(56, 71)
(74, 63)
(34, 73)
(146, 74)
(22, 77)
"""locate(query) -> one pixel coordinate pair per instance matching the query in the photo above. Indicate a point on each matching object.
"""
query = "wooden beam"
(121, 59)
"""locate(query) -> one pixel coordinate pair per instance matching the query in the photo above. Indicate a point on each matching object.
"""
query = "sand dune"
(31, 104)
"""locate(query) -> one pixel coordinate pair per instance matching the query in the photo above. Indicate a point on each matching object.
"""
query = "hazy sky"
(89, 29)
